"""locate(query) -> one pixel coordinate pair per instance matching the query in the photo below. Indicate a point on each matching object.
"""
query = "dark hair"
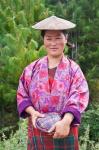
(43, 32)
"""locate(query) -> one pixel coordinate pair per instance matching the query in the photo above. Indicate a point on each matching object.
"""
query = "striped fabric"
(39, 140)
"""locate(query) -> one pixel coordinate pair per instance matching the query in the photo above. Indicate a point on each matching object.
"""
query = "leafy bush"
(86, 143)
(91, 117)
(16, 141)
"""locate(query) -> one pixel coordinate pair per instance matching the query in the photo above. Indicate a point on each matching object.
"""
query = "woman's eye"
(48, 39)
(58, 38)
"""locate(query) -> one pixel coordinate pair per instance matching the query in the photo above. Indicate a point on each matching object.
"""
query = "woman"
(53, 83)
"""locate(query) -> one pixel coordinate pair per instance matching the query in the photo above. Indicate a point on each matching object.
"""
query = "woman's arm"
(78, 96)
(68, 118)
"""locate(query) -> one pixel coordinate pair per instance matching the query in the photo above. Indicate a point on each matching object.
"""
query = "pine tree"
(19, 46)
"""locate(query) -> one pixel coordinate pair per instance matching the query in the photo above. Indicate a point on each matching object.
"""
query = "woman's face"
(54, 42)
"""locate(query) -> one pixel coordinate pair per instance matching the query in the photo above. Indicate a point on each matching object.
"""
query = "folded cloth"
(46, 122)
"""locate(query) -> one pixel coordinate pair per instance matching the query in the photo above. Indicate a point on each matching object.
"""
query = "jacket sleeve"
(23, 99)
(78, 96)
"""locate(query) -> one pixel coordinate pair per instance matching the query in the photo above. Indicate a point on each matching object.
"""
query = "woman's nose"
(53, 43)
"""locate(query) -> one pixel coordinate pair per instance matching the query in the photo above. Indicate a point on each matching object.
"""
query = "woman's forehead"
(53, 33)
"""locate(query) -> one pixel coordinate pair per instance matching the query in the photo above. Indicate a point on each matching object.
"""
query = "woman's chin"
(55, 55)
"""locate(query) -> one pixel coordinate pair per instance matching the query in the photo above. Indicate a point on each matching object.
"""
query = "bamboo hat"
(54, 23)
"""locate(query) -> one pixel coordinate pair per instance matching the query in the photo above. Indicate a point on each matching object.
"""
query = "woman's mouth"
(54, 48)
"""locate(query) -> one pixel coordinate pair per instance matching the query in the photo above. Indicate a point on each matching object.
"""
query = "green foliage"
(17, 140)
(16, 36)
(91, 117)
(86, 143)
(19, 46)
(32, 45)
(94, 92)
(42, 51)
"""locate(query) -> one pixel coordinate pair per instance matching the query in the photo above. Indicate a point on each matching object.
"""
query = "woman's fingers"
(40, 115)
(34, 120)
(35, 116)
(61, 130)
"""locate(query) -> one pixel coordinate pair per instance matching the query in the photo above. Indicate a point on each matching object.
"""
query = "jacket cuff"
(21, 108)
(76, 114)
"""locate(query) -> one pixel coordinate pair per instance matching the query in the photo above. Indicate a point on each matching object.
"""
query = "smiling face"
(54, 42)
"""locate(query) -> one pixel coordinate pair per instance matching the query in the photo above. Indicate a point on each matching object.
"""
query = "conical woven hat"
(54, 23)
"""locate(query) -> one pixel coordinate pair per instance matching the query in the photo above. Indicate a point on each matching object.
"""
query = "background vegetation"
(20, 45)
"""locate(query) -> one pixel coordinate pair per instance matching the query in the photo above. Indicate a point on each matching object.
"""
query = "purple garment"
(69, 91)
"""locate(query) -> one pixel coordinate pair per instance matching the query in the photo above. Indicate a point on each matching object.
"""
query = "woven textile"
(43, 141)
(48, 121)
(54, 23)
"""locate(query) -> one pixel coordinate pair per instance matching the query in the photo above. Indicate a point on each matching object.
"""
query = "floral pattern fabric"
(69, 91)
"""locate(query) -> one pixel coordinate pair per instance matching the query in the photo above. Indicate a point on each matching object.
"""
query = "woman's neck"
(53, 61)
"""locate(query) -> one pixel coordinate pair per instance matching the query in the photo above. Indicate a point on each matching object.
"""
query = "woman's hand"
(35, 115)
(62, 128)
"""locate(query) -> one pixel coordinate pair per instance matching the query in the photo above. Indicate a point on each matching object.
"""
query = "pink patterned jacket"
(69, 91)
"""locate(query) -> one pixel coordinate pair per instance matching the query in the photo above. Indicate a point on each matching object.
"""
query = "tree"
(19, 46)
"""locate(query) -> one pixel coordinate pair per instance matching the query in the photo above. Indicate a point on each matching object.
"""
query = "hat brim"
(54, 23)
